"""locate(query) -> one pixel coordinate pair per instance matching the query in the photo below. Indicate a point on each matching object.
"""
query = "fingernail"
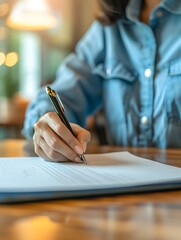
(84, 146)
(77, 159)
(79, 149)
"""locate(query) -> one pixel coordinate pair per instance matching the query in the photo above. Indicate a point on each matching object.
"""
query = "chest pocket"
(115, 70)
(120, 84)
(173, 92)
(119, 90)
(120, 72)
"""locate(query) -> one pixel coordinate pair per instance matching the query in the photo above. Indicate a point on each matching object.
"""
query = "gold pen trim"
(50, 91)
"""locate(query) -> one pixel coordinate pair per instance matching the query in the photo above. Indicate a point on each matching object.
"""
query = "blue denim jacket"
(132, 71)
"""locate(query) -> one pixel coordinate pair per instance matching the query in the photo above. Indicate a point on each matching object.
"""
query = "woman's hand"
(53, 141)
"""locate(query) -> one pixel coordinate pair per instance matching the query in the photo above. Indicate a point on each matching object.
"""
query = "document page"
(102, 171)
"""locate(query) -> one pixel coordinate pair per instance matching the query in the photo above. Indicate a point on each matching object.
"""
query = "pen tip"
(83, 159)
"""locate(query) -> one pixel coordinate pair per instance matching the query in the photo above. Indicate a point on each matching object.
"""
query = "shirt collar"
(134, 7)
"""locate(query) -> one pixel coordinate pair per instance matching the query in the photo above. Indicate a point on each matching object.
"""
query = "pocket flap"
(115, 71)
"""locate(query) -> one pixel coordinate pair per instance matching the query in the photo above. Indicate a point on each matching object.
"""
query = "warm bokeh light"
(11, 59)
(32, 22)
(4, 9)
(31, 15)
(37, 227)
(2, 58)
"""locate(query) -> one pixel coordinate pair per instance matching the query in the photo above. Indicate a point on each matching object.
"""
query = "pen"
(60, 110)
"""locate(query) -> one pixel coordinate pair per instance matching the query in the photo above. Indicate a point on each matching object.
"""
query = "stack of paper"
(32, 178)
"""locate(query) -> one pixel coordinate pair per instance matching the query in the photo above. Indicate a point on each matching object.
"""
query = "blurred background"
(35, 36)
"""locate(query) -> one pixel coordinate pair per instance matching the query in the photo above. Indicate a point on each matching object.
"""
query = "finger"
(38, 150)
(49, 154)
(55, 144)
(83, 136)
(61, 130)
(41, 152)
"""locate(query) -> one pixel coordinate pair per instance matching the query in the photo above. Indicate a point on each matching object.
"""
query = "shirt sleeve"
(78, 83)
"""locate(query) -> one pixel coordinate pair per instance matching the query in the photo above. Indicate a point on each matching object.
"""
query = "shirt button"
(148, 72)
(144, 120)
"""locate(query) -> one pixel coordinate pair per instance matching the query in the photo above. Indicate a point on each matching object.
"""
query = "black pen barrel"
(61, 113)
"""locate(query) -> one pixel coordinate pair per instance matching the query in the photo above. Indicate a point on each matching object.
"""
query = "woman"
(129, 64)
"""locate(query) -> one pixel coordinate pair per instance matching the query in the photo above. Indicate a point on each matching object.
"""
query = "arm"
(76, 82)
(80, 89)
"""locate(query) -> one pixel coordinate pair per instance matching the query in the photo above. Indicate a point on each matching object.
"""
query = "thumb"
(82, 135)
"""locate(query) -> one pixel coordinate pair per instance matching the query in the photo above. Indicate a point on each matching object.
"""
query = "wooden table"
(133, 216)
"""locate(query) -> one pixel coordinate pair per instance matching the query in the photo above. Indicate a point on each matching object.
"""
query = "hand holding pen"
(59, 108)
(55, 139)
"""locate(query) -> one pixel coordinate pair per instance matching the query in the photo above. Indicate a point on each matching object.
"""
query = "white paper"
(120, 169)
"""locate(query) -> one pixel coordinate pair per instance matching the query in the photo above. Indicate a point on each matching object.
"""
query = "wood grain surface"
(133, 216)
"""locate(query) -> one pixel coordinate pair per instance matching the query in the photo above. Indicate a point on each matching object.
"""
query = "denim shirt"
(130, 70)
